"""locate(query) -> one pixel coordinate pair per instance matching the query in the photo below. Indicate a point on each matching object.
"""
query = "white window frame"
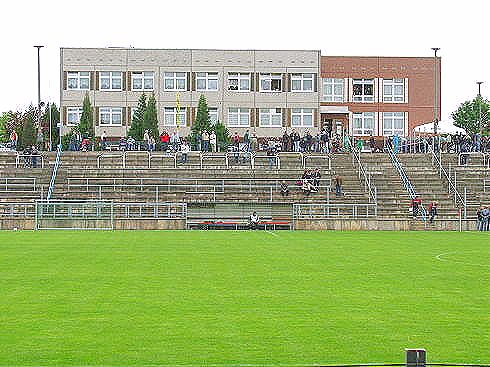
(239, 77)
(392, 97)
(269, 77)
(207, 77)
(363, 117)
(112, 112)
(143, 76)
(302, 114)
(77, 111)
(78, 77)
(172, 113)
(112, 76)
(393, 117)
(242, 116)
(333, 82)
(364, 98)
(302, 79)
(270, 117)
(175, 77)
(213, 115)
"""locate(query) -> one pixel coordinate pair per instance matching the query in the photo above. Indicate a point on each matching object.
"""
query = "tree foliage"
(473, 116)
(86, 126)
(28, 131)
(222, 134)
(55, 119)
(136, 130)
(150, 119)
(201, 122)
(4, 134)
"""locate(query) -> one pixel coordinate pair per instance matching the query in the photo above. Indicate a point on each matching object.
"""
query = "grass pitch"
(242, 298)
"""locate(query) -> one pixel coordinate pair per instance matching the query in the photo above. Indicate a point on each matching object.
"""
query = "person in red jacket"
(416, 204)
(164, 140)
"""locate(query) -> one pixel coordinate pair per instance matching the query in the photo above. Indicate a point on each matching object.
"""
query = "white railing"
(55, 171)
(158, 210)
(458, 199)
(12, 210)
(364, 177)
(341, 210)
(18, 184)
(463, 158)
(226, 160)
(486, 185)
(25, 160)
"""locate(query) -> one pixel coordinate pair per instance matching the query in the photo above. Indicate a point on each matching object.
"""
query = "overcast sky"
(351, 28)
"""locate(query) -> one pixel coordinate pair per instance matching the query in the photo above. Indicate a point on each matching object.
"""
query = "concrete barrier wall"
(382, 225)
(119, 224)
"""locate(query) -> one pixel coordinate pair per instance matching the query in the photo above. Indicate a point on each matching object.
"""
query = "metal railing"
(15, 210)
(18, 184)
(25, 160)
(55, 172)
(463, 158)
(228, 160)
(405, 180)
(364, 177)
(458, 199)
(159, 210)
(326, 211)
(486, 185)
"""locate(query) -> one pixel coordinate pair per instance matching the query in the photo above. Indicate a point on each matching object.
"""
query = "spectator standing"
(103, 140)
(338, 185)
(185, 149)
(34, 154)
(146, 139)
(284, 141)
(205, 141)
(271, 155)
(40, 140)
(13, 139)
(122, 144)
(130, 143)
(432, 211)
(296, 141)
(416, 204)
(151, 144)
(246, 141)
(213, 141)
(255, 142)
(284, 189)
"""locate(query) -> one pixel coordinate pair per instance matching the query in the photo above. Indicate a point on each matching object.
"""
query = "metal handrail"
(486, 185)
(55, 172)
(325, 211)
(405, 180)
(463, 154)
(20, 155)
(6, 183)
(451, 185)
(26, 209)
(368, 184)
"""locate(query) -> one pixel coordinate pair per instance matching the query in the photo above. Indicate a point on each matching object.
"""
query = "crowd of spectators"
(483, 219)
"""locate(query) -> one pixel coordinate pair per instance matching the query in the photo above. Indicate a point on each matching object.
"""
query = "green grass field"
(242, 298)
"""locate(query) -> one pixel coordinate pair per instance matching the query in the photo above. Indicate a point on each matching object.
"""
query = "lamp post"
(436, 97)
(479, 107)
(39, 88)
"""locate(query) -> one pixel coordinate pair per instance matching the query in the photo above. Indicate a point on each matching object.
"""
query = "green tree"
(150, 119)
(138, 120)
(28, 132)
(4, 134)
(202, 121)
(473, 116)
(86, 126)
(55, 119)
(222, 135)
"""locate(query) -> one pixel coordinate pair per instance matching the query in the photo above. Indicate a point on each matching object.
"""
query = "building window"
(302, 117)
(110, 80)
(174, 81)
(73, 115)
(393, 90)
(239, 82)
(363, 90)
(206, 81)
(110, 115)
(213, 115)
(142, 80)
(238, 117)
(363, 123)
(172, 118)
(78, 80)
(333, 90)
(302, 82)
(270, 117)
(393, 123)
(270, 82)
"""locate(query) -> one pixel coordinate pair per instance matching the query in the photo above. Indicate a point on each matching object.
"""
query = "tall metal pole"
(436, 97)
(479, 107)
(38, 88)
(50, 130)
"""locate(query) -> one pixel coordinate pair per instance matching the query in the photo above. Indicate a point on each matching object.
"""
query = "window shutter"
(188, 76)
(257, 82)
(286, 79)
(128, 114)
(284, 117)
(315, 82)
(191, 116)
(252, 117)
(406, 91)
(65, 80)
(376, 124)
(92, 80)
(124, 80)
(346, 90)
(97, 76)
(129, 81)
(188, 114)
(65, 117)
(96, 110)
(288, 117)
(123, 117)
(315, 117)
(376, 90)
(193, 81)
(351, 91)
(252, 87)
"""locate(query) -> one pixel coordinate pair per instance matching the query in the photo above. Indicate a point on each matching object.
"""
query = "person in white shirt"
(212, 141)
(184, 149)
(254, 220)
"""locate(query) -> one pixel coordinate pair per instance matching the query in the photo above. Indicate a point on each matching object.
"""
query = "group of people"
(310, 181)
(483, 219)
(416, 207)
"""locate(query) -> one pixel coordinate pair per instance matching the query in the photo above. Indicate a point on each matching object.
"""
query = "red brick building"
(381, 96)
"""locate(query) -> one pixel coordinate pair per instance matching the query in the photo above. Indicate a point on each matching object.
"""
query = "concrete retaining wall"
(119, 224)
(382, 225)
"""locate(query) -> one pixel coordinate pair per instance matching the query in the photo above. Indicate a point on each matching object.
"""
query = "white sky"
(353, 27)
